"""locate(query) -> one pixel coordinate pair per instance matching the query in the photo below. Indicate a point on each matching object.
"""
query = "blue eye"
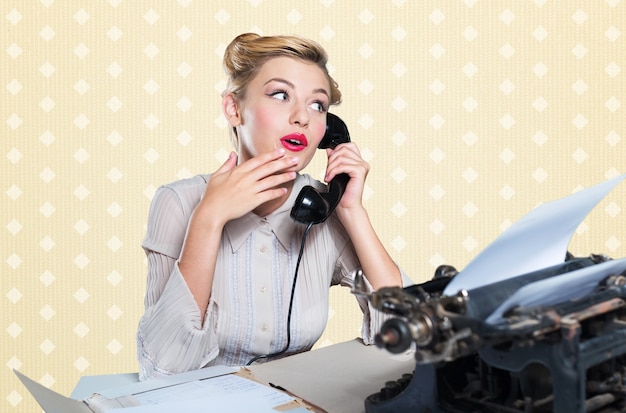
(280, 95)
(319, 106)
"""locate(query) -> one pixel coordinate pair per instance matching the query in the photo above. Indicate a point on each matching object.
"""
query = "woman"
(222, 248)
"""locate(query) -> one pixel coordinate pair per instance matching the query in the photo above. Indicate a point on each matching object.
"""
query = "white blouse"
(248, 308)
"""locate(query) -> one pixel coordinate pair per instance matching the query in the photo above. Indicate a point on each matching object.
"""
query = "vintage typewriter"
(552, 339)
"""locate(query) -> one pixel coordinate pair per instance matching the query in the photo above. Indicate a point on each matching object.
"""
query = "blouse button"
(263, 249)
(264, 327)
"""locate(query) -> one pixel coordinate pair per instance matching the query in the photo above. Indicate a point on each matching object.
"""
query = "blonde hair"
(247, 52)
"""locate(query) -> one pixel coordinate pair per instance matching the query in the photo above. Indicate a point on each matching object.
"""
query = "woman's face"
(285, 107)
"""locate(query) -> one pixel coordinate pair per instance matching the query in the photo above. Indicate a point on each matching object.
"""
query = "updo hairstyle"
(247, 52)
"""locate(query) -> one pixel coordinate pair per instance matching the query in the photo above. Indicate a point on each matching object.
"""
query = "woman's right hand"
(234, 190)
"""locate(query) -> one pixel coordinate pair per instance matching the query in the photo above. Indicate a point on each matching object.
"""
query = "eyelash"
(323, 108)
(278, 92)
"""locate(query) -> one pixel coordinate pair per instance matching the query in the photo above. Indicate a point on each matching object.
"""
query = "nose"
(300, 116)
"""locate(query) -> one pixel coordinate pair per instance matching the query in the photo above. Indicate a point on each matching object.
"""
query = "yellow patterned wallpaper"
(470, 113)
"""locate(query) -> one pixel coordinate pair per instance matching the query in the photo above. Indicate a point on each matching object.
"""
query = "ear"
(231, 109)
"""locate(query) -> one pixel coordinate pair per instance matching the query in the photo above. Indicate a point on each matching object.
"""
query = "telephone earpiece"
(312, 206)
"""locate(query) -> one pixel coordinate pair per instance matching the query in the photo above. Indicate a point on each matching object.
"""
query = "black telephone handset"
(312, 206)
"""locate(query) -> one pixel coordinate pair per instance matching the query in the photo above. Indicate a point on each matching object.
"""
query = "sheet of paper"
(560, 288)
(88, 385)
(100, 404)
(229, 392)
(538, 240)
(143, 386)
(220, 403)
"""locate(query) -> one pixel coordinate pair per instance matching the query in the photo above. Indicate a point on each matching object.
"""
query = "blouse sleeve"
(171, 337)
(345, 276)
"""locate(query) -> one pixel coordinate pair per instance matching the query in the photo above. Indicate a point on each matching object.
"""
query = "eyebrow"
(291, 85)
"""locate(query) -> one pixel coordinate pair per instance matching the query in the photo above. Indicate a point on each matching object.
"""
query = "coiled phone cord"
(293, 290)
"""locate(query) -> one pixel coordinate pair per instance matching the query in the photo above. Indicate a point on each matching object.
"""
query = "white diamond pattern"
(469, 114)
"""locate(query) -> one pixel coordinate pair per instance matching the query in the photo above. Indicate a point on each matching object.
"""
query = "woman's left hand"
(346, 158)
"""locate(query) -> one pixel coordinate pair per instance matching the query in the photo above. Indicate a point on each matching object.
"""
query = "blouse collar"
(280, 221)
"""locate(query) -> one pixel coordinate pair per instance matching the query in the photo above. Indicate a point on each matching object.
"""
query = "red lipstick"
(294, 142)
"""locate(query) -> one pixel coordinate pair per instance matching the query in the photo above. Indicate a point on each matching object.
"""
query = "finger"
(262, 159)
(356, 170)
(350, 150)
(270, 195)
(270, 168)
(275, 180)
(229, 164)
